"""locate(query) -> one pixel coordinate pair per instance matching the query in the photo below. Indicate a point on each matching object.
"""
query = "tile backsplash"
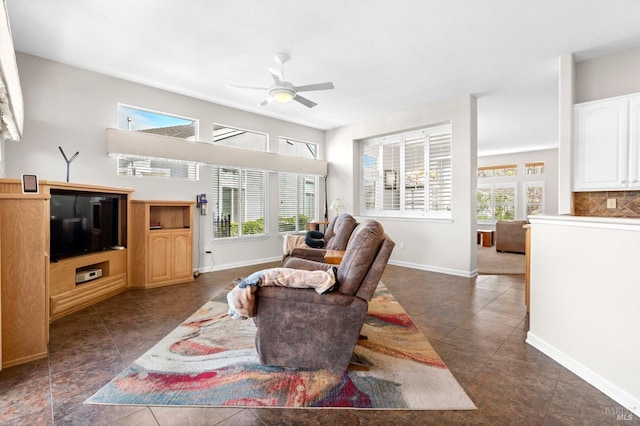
(595, 203)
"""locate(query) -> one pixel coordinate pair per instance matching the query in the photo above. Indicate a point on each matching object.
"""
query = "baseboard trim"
(252, 262)
(448, 271)
(623, 398)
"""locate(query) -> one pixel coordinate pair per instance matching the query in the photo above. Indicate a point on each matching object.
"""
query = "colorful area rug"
(210, 361)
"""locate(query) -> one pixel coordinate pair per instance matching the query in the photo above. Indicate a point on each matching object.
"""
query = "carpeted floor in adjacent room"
(492, 262)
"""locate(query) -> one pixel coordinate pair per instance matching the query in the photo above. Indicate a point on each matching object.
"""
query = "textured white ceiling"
(383, 56)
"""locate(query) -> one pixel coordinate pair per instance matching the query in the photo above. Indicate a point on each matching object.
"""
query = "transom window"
(238, 202)
(408, 174)
(502, 170)
(297, 148)
(143, 120)
(158, 123)
(296, 201)
(239, 138)
(535, 168)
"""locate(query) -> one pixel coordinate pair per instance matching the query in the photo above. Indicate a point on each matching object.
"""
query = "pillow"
(314, 239)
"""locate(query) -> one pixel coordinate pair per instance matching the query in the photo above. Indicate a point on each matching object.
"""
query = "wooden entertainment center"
(36, 289)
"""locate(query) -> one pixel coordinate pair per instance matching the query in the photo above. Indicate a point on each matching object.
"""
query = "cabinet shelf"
(162, 243)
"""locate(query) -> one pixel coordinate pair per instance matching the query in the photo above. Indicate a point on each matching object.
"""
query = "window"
(239, 202)
(134, 165)
(158, 123)
(140, 120)
(408, 174)
(534, 198)
(496, 202)
(536, 168)
(296, 201)
(239, 138)
(502, 170)
(297, 148)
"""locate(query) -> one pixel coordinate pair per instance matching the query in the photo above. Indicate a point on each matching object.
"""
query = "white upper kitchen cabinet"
(601, 145)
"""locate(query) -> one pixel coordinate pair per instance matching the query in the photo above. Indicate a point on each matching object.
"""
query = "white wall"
(607, 76)
(448, 247)
(71, 108)
(584, 300)
(549, 178)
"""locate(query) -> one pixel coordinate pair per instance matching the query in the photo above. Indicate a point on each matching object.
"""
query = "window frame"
(298, 225)
(217, 196)
(298, 141)
(493, 187)
(169, 165)
(265, 148)
(196, 122)
(525, 200)
(390, 178)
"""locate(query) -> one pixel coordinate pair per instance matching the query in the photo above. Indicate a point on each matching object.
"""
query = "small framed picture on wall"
(390, 179)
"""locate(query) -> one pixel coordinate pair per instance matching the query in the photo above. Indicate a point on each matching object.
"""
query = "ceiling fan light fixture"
(282, 95)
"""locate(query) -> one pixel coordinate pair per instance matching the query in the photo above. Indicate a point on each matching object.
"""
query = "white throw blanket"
(291, 241)
(242, 300)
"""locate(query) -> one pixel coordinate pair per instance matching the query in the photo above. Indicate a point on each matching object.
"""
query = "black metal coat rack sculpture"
(68, 160)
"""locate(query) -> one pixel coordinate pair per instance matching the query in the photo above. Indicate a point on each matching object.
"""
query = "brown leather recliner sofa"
(336, 237)
(301, 328)
(511, 236)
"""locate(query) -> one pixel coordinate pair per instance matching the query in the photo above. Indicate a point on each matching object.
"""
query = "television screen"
(83, 222)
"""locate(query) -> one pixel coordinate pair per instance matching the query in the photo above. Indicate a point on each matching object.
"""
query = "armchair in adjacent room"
(335, 237)
(301, 328)
(511, 236)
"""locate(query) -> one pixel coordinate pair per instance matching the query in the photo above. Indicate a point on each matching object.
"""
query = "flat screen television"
(85, 222)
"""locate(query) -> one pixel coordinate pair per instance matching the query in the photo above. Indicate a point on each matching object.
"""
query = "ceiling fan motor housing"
(283, 93)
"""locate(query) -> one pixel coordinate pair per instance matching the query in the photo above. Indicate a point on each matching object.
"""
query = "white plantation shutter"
(408, 174)
(440, 173)
(391, 166)
(534, 198)
(504, 202)
(496, 202)
(371, 173)
(414, 167)
(485, 202)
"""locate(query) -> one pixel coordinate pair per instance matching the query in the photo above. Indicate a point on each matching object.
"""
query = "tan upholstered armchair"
(510, 236)
(336, 237)
(301, 328)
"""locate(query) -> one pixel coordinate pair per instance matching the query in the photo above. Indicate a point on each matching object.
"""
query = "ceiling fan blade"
(304, 101)
(266, 101)
(317, 86)
(240, 86)
(277, 76)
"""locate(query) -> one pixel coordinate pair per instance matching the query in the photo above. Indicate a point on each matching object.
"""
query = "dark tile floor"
(478, 327)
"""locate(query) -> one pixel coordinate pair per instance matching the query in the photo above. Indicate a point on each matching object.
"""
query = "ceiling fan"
(282, 90)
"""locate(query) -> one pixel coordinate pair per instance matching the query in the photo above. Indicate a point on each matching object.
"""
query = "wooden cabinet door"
(601, 136)
(159, 257)
(182, 255)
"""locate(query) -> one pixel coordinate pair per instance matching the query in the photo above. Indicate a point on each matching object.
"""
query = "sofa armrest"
(308, 253)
